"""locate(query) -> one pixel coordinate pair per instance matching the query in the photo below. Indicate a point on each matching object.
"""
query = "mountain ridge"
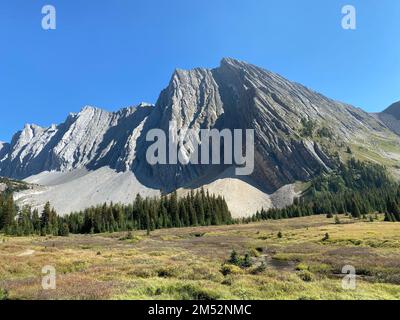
(391, 117)
(235, 95)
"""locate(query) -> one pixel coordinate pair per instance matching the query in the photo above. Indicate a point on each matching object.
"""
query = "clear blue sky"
(117, 53)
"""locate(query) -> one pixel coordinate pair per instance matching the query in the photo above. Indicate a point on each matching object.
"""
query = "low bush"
(305, 275)
(167, 272)
(302, 267)
(243, 262)
(3, 294)
(227, 269)
(259, 269)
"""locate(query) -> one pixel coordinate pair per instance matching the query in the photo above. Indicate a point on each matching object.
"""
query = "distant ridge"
(391, 117)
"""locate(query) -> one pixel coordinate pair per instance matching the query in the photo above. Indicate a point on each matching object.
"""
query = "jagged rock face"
(192, 101)
(274, 107)
(235, 95)
(91, 138)
(4, 149)
(391, 117)
(241, 96)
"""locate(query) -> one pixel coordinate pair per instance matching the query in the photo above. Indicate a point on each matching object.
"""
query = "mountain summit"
(391, 117)
(299, 133)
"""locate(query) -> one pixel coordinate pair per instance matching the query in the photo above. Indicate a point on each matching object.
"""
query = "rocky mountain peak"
(390, 117)
(231, 62)
(394, 110)
(144, 105)
(235, 95)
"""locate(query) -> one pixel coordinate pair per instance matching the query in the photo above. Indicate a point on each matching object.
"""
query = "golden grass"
(187, 263)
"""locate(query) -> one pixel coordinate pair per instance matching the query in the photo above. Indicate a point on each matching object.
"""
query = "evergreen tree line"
(356, 188)
(196, 209)
(25, 221)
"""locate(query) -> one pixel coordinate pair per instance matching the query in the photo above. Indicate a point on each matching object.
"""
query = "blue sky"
(118, 53)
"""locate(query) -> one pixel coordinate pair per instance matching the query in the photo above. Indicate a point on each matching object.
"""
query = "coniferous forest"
(196, 209)
(357, 189)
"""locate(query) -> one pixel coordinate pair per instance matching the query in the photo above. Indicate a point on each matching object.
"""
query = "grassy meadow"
(299, 258)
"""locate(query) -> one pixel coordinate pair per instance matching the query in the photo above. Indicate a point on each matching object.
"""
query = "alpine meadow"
(233, 183)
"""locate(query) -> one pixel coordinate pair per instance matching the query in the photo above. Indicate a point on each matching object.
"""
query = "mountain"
(4, 149)
(97, 156)
(92, 138)
(391, 117)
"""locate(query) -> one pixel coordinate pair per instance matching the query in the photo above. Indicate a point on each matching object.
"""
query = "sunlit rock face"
(236, 95)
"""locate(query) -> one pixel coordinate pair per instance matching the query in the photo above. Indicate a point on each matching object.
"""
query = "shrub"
(3, 294)
(238, 261)
(308, 127)
(199, 234)
(234, 258)
(326, 237)
(255, 253)
(337, 220)
(246, 263)
(280, 235)
(227, 269)
(167, 272)
(227, 281)
(302, 267)
(194, 292)
(320, 268)
(324, 132)
(259, 269)
(305, 275)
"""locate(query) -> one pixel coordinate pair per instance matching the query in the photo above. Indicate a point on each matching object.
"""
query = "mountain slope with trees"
(357, 188)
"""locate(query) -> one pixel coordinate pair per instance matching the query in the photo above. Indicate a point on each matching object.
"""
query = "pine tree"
(394, 209)
(45, 219)
(355, 210)
(148, 228)
(8, 214)
(246, 263)
(64, 230)
(234, 258)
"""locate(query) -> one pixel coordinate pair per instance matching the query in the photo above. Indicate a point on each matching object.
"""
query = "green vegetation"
(13, 185)
(358, 188)
(242, 262)
(310, 129)
(174, 264)
(196, 209)
(324, 132)
(3, 294)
